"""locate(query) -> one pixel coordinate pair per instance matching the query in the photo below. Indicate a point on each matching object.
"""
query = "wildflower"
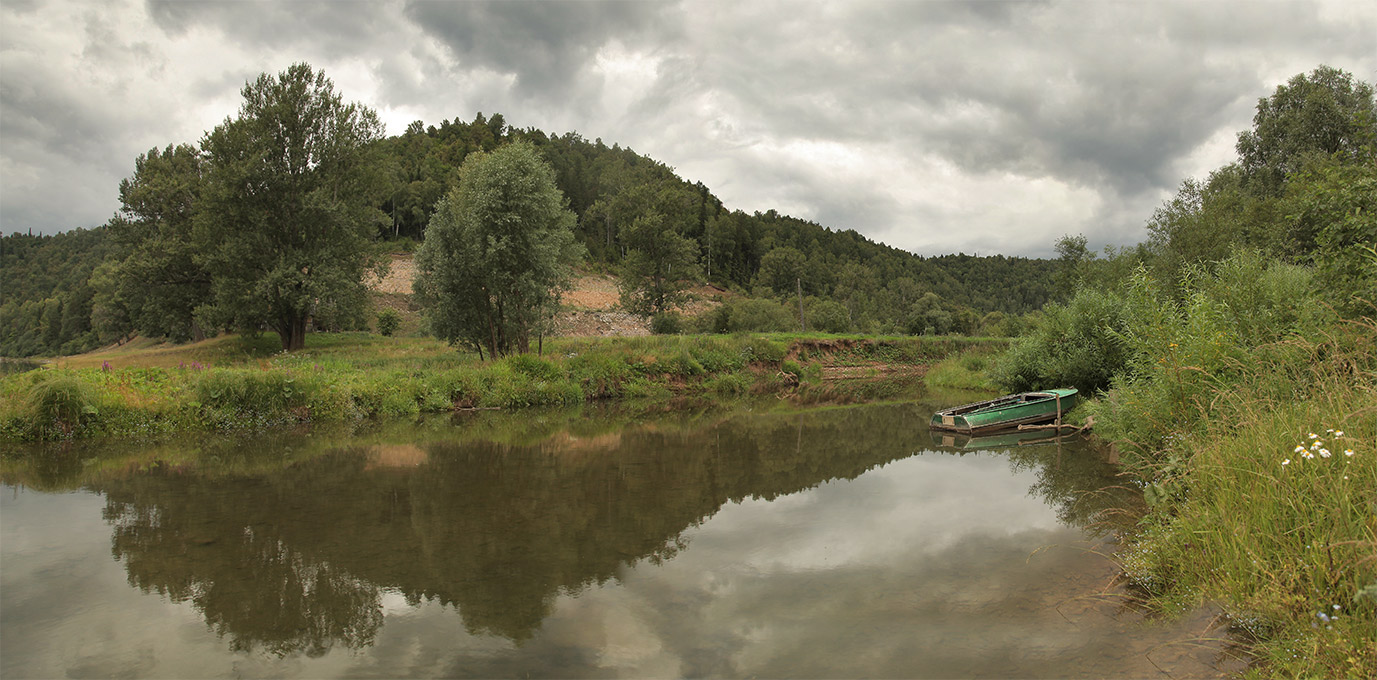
(1338, 433)
(1324, 453)
(1348, 452)
(1299, 449)
(1312, 435)
(1286, 462)
(1316, 446)
(1307, 454)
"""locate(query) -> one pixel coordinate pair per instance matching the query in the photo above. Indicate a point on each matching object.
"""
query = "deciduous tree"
(498, 252)
(289, 206)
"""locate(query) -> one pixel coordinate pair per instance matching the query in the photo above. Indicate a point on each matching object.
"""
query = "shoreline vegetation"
(239, 382)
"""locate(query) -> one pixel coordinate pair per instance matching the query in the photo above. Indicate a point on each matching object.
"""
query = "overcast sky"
(937, 127)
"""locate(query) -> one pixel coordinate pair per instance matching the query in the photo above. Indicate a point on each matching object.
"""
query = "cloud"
(933, 126)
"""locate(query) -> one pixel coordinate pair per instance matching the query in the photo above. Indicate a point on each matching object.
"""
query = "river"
(826, 542)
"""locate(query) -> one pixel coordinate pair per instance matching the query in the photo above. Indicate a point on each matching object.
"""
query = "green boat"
(1007, 412)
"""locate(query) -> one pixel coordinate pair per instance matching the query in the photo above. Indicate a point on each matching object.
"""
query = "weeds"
(237, 383)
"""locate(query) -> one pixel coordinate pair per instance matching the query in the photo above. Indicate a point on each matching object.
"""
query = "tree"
(289, 207)
(1323, 113)
(498, 252)
(1334, 207)
(781, 269)
(661, 262)
(156, 284)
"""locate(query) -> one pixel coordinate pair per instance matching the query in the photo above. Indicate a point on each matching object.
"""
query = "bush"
(667, 323)
(828, 316)
(534, 366)
(742, 315)
(1077, 345)
(61, 404)
(388, 321)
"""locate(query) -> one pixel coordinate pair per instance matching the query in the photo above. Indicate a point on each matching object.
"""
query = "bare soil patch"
(591, 309)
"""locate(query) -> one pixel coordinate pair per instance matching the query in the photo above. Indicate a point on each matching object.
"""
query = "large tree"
(288, 207)
(499, 250)
(154, 284)
(1324, 113)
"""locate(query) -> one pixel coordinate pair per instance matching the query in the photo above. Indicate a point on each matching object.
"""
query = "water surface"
(839, 542)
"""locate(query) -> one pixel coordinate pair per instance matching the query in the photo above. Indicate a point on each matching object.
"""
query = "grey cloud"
(337, 29)
(545, 44)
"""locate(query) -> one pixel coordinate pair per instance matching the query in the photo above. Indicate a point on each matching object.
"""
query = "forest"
(143, 272)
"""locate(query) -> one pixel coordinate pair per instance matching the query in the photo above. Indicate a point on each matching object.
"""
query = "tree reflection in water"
(292, 554)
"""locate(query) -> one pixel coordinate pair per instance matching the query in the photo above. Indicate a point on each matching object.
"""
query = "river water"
(831, 542)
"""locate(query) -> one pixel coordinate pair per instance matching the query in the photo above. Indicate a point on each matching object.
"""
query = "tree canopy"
(498, 252)
(289, 207)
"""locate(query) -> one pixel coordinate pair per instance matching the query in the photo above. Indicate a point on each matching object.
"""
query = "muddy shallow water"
(841, 542)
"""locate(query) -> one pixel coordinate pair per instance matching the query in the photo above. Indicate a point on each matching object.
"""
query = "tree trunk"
(292, 332)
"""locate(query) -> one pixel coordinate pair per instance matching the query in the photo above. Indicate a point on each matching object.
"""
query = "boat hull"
(1005, 413)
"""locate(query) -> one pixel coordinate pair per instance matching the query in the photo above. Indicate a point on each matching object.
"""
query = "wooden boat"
(1006, 412)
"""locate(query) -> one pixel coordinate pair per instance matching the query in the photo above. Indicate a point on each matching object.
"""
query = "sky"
(937, 127)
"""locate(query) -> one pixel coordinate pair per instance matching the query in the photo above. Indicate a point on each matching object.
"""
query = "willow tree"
(498, 252)
(287, 210)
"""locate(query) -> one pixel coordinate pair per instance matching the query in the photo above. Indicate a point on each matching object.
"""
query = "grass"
(1269, 508)
(236, 382)
(968, 370)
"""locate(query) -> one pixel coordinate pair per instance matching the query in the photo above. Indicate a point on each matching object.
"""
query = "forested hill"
(607, 187)
(75, 291)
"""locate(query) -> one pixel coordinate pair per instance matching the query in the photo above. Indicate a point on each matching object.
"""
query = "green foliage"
(155, 282)
(828, 316)
(929, 316)
(1073, 345)
(285, 220)
(1276, 499)
(1334, 208)
(1182, 353)
(748, 315)
(968, 370)
(1323, 113)
(46, 301)
(667, 323)
(497, 254)
(60, 404)
(661, 262)
(388, 321)
(781, 270)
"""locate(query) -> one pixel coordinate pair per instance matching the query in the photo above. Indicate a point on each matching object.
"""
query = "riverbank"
(1257, 458)
(236, 382)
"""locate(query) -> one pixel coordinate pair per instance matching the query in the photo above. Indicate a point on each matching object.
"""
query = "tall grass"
(1247, 411)
(242, 383)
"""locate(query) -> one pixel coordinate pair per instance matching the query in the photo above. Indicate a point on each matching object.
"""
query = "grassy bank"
(1264, 500)
(1246, 409)
(237, 382)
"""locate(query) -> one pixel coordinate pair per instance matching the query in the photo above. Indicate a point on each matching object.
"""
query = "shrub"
(1077, 345)
(741, 315)
(667, 323)
(388, 321)
(828, 316)
(534, 366)
(60, 404)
